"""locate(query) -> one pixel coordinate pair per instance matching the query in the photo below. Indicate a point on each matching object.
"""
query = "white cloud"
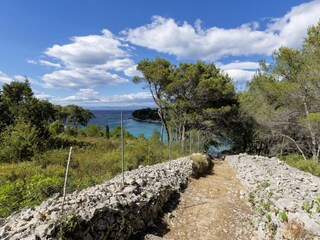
(240, 72)
(85, 94)
(50, 64)
(32, 61)
(4, 78)
(88, 62)
(88, 51)
(21, 78)
(81, 78)
(129, 98)
(188, 42)
(239, 65)
(44, 96)
(240, 76)
(89, 97)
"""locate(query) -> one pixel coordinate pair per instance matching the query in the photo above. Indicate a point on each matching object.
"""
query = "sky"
(85, 52)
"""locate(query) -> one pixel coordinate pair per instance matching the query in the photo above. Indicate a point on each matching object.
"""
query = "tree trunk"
(297, 145)
(165, 124)
(312, 134)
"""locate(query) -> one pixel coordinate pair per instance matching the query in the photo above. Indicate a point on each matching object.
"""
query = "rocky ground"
(286, 200)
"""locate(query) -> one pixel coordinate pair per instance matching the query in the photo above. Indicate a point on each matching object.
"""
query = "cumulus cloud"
(90, 98)
(240, 72)
(88, 51)
(240, 76)
(239, 65)
(193, 42)
(81, 78)
(88, 62)
(50, 64)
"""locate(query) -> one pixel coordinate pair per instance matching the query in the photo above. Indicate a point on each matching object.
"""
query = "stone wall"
(106, 211)
(286, 200)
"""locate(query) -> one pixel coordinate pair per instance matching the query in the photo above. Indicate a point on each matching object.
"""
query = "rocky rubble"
(286, 200)
(106, 211)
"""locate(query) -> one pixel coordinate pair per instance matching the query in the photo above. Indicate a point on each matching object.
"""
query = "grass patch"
(94, 160)
(297, 161)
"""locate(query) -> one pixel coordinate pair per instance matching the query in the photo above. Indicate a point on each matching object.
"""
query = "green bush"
(56, 127)
(18, 142)
(297, 161)
(93, 130)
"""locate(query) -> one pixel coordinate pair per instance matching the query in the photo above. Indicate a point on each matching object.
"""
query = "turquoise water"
(112, 118)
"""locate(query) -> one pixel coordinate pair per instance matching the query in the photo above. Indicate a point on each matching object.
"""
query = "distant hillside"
(146, 114)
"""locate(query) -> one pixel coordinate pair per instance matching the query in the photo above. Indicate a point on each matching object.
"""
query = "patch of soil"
(210, 208)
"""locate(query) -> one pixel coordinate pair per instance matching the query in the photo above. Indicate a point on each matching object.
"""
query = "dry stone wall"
(286, 200)
(106, 211)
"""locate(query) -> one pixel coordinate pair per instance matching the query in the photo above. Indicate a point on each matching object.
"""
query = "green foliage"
(56, 127)
(287, 93)
(18, 142)
(251, 198)
(269, 218)
(107, 131)
(307, 207)
(297, 161)
(75, 115)
(93, 130)
(116, 133)
(283, 216)
(67, 226)
(93, 161)
(191, 96)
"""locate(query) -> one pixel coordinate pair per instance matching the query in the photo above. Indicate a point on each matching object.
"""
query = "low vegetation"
(201, 165)
(94, 160)
(309, 165)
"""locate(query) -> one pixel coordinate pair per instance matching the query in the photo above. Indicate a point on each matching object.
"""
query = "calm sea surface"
(112, 118)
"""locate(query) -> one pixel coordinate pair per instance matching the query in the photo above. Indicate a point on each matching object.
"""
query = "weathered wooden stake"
(66, 178)
(122, 148)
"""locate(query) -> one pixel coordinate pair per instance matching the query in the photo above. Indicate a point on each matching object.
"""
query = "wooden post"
(190, 141)
(122, 148)
(66, 178)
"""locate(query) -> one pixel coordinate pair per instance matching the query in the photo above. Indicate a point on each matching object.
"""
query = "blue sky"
(85, 52)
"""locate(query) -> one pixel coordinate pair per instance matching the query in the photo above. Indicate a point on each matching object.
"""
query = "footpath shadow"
(159, 227)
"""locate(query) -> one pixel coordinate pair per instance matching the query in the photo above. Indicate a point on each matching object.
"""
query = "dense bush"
(297, 161)
(18, 142)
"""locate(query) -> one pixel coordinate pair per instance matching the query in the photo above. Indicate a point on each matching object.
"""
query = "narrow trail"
(211, 208)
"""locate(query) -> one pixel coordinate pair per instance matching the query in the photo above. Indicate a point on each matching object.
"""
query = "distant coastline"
(149, 115)
(147, 120)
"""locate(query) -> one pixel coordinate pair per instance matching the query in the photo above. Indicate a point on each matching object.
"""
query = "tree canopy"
(283, 99)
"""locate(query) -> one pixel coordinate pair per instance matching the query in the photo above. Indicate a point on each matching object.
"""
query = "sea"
(113, 119)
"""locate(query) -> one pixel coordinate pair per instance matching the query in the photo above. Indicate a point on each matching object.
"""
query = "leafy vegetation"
(193, 97)
(297, 161)
(282, 101)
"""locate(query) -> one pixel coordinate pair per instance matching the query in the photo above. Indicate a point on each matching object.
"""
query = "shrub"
(18, 142)
(201, 165)
(56, 127)
(297, 161)
(93, 130)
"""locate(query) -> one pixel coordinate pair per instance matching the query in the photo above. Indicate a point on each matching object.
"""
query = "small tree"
(18, 142)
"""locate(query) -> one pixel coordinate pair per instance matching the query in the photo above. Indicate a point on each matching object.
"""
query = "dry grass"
(201, 165)
(295, 230)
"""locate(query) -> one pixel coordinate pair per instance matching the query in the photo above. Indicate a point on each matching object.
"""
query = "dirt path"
(211, 208)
